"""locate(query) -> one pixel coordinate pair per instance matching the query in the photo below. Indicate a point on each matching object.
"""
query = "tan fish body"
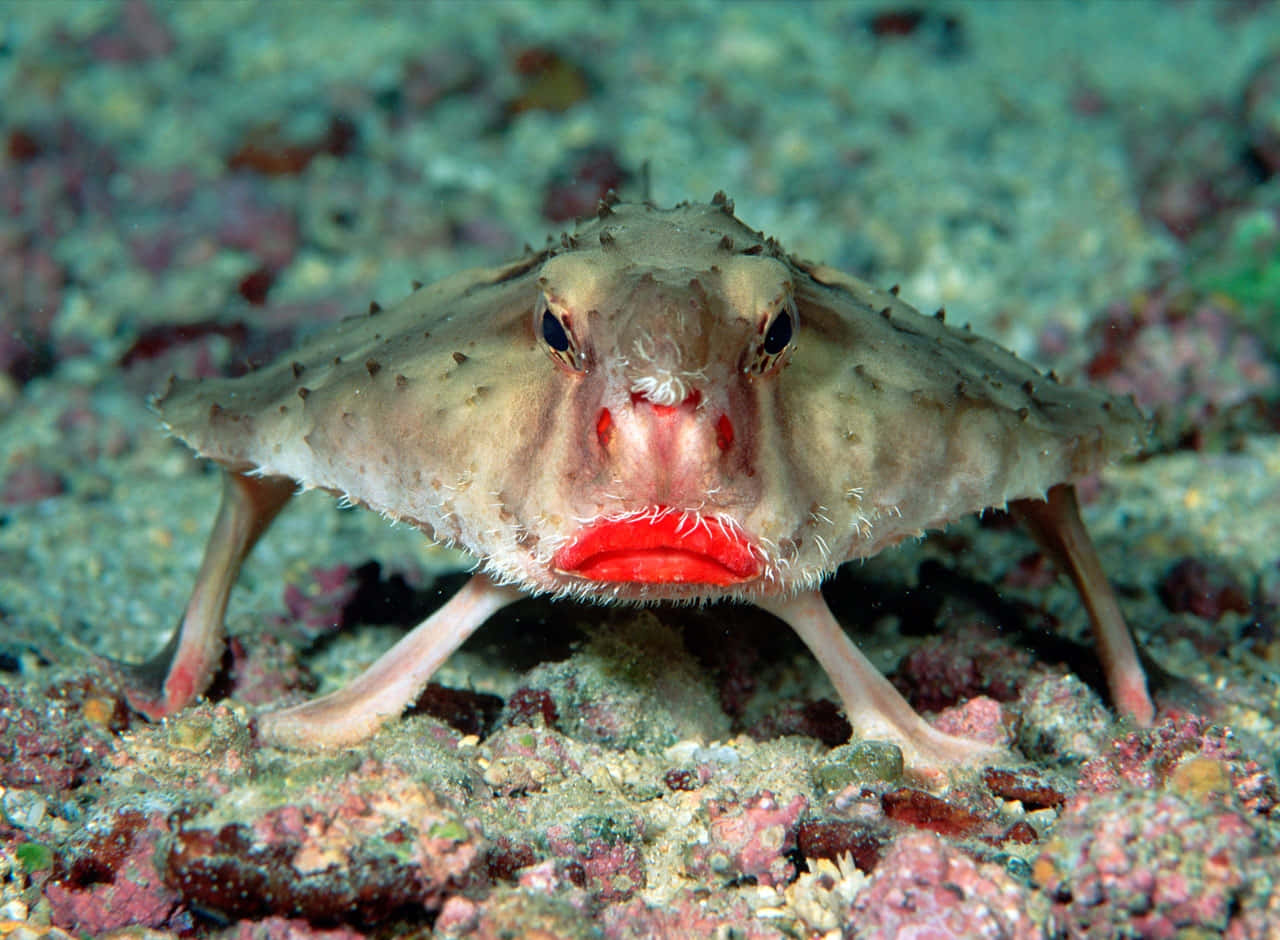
(664, 406)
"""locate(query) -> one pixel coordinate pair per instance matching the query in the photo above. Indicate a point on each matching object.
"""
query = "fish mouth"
(662, 546)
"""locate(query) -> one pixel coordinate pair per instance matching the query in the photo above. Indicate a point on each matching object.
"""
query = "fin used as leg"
(1058, 529)
(875, 709)
(382, 692)
(186, 665)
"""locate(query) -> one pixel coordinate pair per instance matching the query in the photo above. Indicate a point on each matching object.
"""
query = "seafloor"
(191, 187)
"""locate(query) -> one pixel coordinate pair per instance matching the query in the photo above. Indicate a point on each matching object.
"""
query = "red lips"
(662, 548)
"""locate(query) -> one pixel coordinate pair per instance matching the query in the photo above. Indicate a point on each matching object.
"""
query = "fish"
(661, 406)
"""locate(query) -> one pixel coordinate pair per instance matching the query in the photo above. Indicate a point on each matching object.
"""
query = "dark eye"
(553, 332)
(775, 341)
(769, 352)
(556, 328)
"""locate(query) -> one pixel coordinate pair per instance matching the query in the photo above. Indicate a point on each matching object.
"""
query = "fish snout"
(678, 451)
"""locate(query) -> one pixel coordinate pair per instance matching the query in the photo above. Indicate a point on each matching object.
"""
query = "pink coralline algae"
(30, 481)
(508, 912)
(281, 928)
(601, 855)
(925, 889)
(112, 882)
(981, 718)
(255, 225)
(137, 33)
(686, 918)
(748, 839)
(1188, 167)
(578, 187)
(1162, 757)
(973, 660)
(319, 607)
(177, 223)
(264, 669)
(362, 847)
(1204, 588)
(1138, 863)
(60, 745)
(1186, 359)
(46, 187)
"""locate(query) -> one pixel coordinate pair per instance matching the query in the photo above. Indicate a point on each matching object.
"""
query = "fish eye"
(770, 350)
(553, 332)
(779, 335)
(556, 330)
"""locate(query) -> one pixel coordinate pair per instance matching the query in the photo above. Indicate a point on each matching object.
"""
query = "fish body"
(662, 406)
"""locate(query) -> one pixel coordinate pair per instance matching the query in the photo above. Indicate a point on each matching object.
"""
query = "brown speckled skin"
(453, 412)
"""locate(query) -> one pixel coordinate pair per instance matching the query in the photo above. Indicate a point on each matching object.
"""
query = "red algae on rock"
(1148, 759)
(1187, 358)
(1148, 864)
(687, 917)
(283, 928)
(925, 888)
(365, 847)
(60, 745)
(112, 882)
(1204, 588)
(601, 855)
(981, 718)
(748, 840)
(973, 660)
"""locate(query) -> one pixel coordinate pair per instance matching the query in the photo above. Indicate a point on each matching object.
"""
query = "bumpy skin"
(664, 406)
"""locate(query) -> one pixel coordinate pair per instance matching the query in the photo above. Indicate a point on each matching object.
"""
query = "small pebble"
(862, 762)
